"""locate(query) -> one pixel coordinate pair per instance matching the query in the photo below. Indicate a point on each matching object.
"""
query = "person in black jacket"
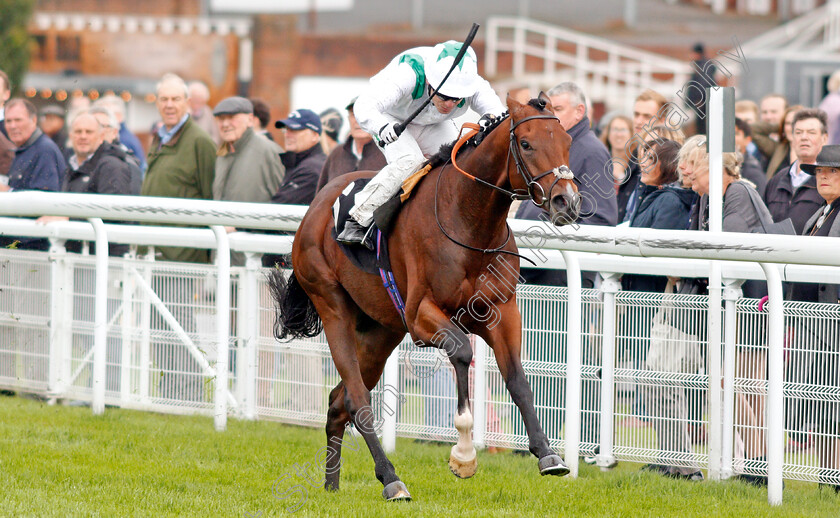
(751, 168)
(792, 192)
(703, 74)
(304, 159)
(662, 203)
(111, 135)
(96, 167)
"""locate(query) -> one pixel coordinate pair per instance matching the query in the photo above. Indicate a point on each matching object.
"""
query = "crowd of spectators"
(634, 169)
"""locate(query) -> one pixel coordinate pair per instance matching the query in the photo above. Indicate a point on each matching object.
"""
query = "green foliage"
(14, 39)
(64, 461)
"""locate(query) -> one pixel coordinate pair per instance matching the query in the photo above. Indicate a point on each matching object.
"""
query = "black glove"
(488, 120)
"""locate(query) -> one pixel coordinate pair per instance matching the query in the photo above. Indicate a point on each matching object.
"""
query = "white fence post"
(60, 327)
(146, 327)
(715, 148)
(127, 327)
(573, 363)
(222, 326)
(609, 287)
(249, 333)
(390, 402)
(775, 392)
(731, 294)
(100, 319)
(480, 393)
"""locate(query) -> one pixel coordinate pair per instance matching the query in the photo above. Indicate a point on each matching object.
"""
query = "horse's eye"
(525, 145)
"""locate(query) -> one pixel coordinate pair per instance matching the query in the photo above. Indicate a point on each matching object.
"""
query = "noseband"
(532, 182)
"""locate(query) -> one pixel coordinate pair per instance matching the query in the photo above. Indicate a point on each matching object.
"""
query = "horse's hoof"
(462, 468)
(553, 465)
(396, 491)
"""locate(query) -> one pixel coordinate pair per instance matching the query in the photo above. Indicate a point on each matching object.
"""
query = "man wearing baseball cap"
(303, 158)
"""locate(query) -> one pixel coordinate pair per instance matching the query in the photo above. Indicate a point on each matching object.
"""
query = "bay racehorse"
(446, 241)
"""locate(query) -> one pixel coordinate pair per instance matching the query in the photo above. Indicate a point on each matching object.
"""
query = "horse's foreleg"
(462, 458)
(337, 419)
(433, 328)
(506, 342)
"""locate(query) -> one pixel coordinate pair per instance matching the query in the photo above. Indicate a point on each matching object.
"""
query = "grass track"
(63, 461)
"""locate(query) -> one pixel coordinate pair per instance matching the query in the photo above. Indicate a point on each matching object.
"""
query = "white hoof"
(462, 467)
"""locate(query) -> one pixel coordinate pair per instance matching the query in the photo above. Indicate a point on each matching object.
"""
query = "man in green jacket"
(181, 159)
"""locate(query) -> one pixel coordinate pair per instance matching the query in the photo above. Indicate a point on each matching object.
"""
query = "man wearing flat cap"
(358, 153)
(248, 166)
(304, 159)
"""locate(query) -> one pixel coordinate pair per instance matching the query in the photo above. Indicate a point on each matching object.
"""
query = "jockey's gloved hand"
(486, 120)
(388, 133)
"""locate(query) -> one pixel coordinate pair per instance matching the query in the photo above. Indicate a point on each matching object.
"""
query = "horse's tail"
(295, 314)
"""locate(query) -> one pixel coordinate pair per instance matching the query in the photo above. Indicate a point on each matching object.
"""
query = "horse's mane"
(444, 154)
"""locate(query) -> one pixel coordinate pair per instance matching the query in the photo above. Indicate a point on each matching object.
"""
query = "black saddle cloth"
(383, 219)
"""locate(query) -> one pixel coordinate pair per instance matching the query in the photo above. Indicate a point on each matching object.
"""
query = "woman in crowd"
(739, 213)
(660, 203)
(658, 133)
(616, 136)
(743, 211)
(816, 349)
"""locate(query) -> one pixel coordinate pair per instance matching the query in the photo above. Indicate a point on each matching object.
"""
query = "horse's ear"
(512, 104)
(545, 101)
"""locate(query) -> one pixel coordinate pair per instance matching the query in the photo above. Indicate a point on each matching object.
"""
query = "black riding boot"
(355, 234)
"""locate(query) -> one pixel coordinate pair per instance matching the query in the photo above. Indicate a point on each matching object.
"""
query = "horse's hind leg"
(506, 341)
(339, 315)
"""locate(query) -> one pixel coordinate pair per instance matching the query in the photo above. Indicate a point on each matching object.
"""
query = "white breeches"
(404, 156)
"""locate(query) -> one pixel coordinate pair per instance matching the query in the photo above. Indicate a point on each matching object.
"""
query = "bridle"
(561, 173)
(532, 182)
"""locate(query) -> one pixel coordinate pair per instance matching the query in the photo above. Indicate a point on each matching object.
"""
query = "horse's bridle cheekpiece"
(560, 173)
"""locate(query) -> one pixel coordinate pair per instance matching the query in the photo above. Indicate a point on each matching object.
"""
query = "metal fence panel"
(161, 355)
(25, 298)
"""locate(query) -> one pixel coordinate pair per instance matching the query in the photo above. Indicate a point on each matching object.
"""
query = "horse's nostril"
(564, 209)
(559, 203)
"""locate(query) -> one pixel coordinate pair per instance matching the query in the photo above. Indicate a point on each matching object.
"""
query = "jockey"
(394, 94)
